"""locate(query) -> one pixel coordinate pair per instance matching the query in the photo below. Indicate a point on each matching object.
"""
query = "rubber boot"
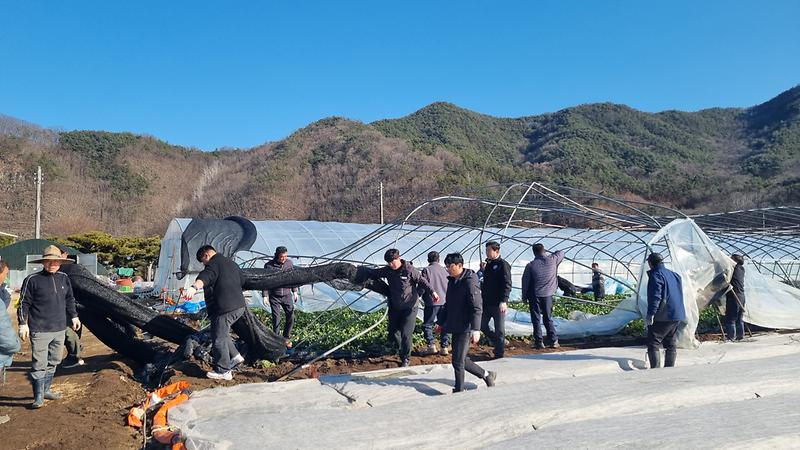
(38, 393)
(669, 358)
(654, 355)
(48, 394)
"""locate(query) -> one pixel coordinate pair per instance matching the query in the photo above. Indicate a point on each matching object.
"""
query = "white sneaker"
(238, 359)
(220, 376)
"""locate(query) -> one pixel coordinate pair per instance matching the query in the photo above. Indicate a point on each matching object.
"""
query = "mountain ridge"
(124, 183)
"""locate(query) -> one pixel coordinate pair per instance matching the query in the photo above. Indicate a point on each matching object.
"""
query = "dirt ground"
(97, 396)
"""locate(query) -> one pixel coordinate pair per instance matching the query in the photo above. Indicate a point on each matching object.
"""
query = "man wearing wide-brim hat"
(46, 305)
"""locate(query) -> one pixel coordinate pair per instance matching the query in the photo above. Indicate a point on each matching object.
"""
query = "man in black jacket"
(734, 302)
(598, 283)
(404, 282)
(46, 304)
(222, 283)
(461, 316)
(495, 289)
(281, 299)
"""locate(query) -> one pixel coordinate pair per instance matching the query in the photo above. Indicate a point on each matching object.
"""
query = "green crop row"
(321, 331)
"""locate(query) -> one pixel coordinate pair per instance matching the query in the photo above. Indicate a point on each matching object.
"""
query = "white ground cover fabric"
(741, 395)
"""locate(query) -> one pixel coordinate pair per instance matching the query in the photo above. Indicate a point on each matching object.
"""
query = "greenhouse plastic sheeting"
(621, 255)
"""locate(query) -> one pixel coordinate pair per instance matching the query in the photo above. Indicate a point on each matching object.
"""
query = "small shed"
(19, 254)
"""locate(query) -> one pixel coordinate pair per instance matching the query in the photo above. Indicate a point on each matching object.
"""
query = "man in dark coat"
(221, 281)
(734, 302)
(436, 275)
(598, 283)
(404, 282)
(46, 306)
(281, 299)
(665, 311)
(461, 316)
(539, 282)
(495, 289)
(72, 338)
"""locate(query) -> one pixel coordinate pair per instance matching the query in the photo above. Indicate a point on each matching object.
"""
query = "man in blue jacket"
(9, 343)
(461, 316)
(665, 311)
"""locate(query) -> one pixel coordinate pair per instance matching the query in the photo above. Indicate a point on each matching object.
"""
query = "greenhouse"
(589, 227)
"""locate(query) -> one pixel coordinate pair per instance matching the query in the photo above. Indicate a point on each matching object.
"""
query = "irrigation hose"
(317, 358)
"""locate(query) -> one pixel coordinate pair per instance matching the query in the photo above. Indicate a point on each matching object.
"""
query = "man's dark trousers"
(401, 329)
(498, 336)
(542, 311)
(663, 334)
(461, 361)
(734, 322)
(222, 349)
(276, 304)
(429, 318)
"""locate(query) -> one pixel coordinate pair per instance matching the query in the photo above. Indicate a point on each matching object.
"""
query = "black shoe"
(654, 355)
(405, 362)
(538, 345)
(669, 358)
(490, 378)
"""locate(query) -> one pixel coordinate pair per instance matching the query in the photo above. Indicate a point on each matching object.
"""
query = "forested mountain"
(710, 160)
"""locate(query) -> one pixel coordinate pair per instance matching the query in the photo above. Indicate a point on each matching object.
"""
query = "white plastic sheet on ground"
(594, 398)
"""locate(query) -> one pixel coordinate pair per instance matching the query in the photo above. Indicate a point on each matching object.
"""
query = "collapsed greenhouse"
(589, 227)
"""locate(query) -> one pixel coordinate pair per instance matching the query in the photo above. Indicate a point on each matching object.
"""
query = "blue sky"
(237, 74)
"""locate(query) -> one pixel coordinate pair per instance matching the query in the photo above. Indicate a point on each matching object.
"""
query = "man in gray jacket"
(282, 299)
(538, 286)
(436, 275)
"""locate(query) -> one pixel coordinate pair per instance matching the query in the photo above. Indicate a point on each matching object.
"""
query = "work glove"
(474, 337)
(295, 296)
(435, 297)
(76, 323)
(437, 329)
(503, 307)
(189, 292)
(24, 332)
(649, 320)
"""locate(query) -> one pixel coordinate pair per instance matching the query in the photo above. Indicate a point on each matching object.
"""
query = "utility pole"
(381, 202)
(38, 202)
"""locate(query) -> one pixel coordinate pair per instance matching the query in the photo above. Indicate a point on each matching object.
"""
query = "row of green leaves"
(321, 331)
